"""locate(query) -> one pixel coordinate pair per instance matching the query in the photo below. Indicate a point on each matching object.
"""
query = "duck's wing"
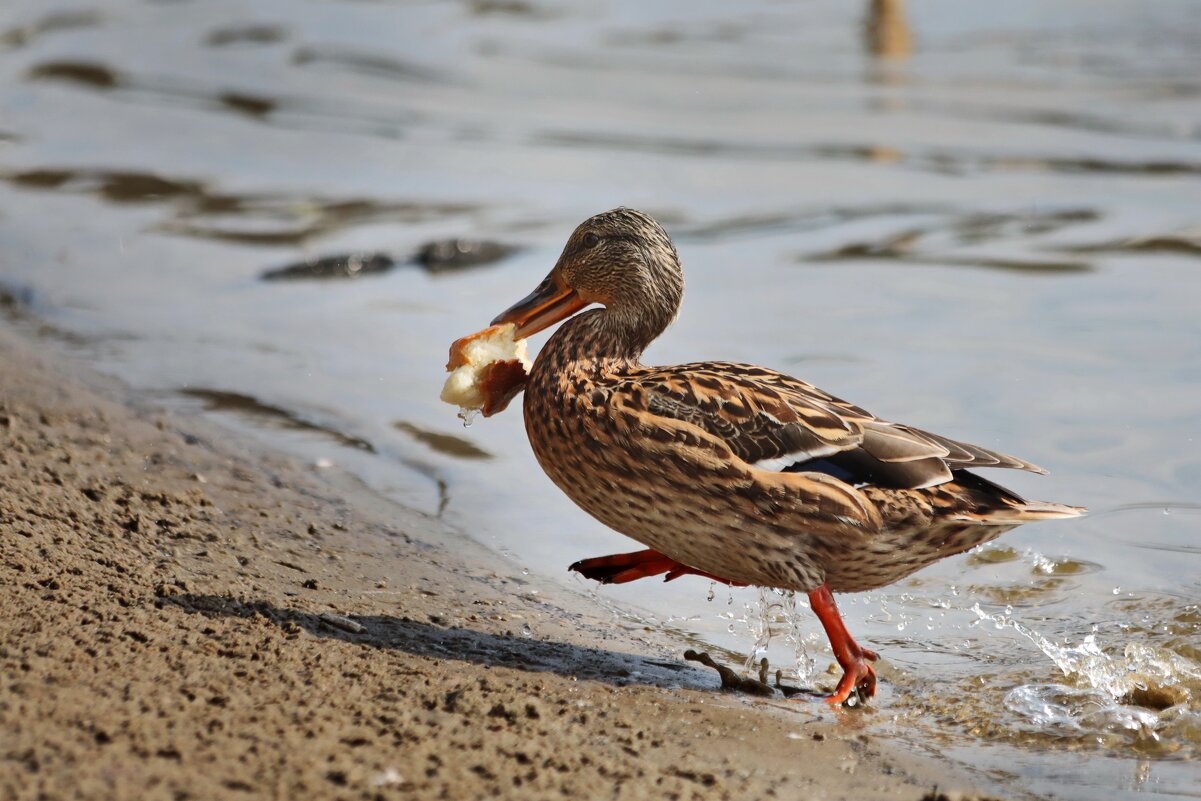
(779, 423)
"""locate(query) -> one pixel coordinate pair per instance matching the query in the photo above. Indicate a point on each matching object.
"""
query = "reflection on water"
(448, 444)
(827, 170)
(886, 32)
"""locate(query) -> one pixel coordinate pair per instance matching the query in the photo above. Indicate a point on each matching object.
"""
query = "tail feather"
(1046, 510)
(991, 504)
(1012, 513)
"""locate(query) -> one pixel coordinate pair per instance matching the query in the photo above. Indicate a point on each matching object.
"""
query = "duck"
(733, 472)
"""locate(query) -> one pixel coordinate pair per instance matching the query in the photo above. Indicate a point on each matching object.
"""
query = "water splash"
(1135, 693)
(776, 615)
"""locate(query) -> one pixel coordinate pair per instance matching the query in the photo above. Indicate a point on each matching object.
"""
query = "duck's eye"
(590, 240)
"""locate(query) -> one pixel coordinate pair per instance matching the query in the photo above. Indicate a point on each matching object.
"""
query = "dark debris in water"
(441, 256)
(456, 254)
(349, 265)
(1184, 244)
(867, 250)
(517, 8)
(364, 64)
(114, 185)
(291, 112)
(51, 23)
(251, 105)
(935, 244)
(680, 32)
(83, 73)
(246, 35)
(293, 220)
(759, 224)
(268, 219)
(946, 162)
(1032, 266)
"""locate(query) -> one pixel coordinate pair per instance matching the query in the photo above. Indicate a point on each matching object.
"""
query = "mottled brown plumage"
(729, 470)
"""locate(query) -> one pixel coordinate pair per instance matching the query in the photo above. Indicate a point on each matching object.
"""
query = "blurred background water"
(982, 219)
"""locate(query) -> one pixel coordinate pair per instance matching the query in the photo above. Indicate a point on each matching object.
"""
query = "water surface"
(995, 237)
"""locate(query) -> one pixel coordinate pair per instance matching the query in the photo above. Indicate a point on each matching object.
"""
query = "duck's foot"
(619, 568)
(859, 677)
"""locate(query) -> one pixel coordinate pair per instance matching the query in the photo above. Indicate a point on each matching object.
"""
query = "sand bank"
(184, 616)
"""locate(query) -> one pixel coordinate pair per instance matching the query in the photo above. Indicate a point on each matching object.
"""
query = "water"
(994, 237)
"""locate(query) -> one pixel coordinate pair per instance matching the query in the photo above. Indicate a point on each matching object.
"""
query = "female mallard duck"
(733, 472)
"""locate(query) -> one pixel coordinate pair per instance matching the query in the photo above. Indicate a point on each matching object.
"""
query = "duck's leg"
(858, 675)
(619, 568)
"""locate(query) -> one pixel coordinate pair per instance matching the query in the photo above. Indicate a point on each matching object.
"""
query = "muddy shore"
(185, 616)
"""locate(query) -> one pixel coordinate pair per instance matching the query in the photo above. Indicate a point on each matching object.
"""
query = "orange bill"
(551, 302)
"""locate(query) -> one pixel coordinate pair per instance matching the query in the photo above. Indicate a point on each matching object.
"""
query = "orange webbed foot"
(858, 680)
(619, 568)
(858, 677)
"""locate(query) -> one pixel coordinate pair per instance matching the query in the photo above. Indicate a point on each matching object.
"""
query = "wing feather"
(775, 422)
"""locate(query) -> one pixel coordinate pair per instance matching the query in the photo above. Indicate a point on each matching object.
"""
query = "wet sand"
(185, 617)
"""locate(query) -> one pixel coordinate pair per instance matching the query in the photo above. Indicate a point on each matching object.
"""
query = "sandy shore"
(185, 618)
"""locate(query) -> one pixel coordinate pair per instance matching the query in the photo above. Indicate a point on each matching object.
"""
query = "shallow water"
(995, 237)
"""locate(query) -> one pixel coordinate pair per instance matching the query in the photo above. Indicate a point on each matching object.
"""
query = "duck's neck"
(604, 336)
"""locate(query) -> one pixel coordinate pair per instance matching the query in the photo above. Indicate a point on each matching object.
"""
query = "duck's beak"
(549, 303)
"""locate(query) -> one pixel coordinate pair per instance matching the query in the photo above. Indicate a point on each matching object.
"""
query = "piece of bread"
(487, 370)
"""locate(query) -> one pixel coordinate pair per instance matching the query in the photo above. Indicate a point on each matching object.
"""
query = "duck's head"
(620, 259)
